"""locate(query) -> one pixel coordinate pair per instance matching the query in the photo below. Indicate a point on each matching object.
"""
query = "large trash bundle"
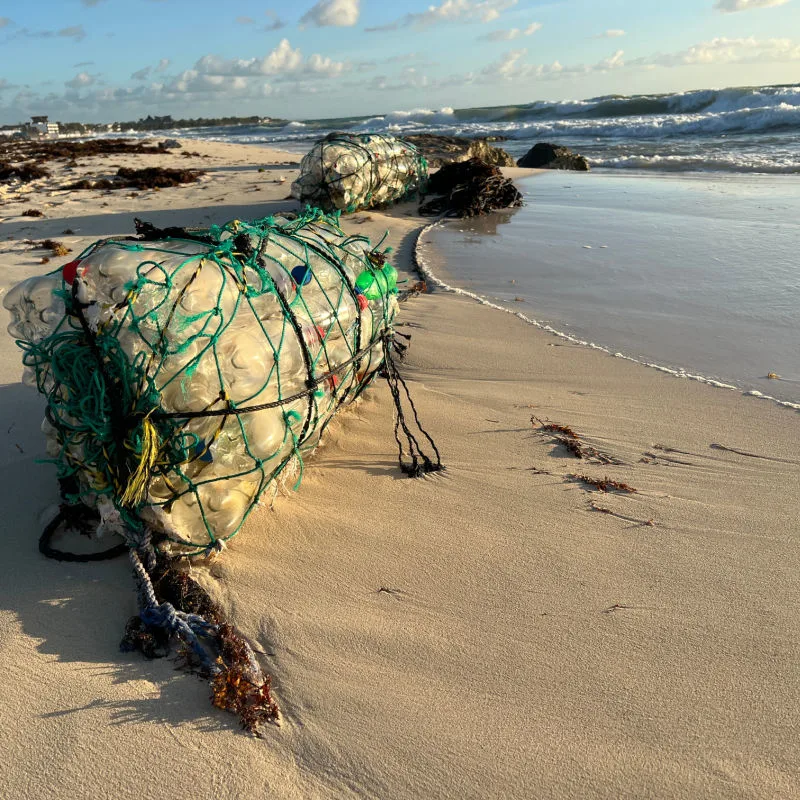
(185, 374)
(348, 172)
(187, 371)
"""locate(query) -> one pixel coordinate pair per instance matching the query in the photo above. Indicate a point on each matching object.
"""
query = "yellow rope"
(137, 484)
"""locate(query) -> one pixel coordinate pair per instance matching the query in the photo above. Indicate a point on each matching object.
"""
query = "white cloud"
(144, 73)
(611, 33)
(727, 51)
(80, 81)
(510, 35)
(450, 11)
(5, 85)
(731, 6)
(510, 68)
(332, 13)
(245, 20)
(283, 62)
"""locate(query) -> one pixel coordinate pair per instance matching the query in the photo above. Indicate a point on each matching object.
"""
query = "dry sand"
(480, 633)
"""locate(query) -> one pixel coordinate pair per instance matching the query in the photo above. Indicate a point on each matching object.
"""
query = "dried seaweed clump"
(603, 484)
(23, 172)
(240, 687)
(58, 249)
(238, 684)
(52, 150)
(567, 438)
(147, 178)
(468, 189)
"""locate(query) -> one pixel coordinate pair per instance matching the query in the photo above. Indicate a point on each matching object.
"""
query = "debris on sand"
(147, 178)
(468, 189)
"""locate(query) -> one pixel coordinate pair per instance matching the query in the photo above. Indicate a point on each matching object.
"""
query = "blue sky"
(101, 60)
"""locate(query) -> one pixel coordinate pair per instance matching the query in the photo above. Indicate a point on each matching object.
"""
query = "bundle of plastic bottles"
(185, 373)
(348, 172)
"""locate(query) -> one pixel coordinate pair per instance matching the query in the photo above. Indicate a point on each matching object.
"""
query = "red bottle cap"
(70, 270)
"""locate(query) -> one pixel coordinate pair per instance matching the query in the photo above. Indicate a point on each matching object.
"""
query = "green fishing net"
(186, 372)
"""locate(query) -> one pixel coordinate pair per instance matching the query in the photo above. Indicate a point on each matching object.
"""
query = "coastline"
(500, 629)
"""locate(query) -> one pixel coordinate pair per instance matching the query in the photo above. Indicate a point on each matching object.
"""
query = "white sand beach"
(498, 630)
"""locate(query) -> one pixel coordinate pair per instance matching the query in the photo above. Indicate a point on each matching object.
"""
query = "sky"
(106, 60)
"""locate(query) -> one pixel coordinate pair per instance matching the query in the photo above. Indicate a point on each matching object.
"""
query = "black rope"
(419, 462)
(77, 517)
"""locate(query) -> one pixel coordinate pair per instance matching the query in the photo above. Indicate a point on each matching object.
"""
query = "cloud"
(510, 68)
(80, 81)
(611, 33)
(83, 64)
(731, 6)
(727, 51)
(75, 32)
(6, 85)
(332, 13)
(92, 3)
(4, 21)
(284, 62)
(510, 35)
(245, 20)
(450, 11)
(144, 73)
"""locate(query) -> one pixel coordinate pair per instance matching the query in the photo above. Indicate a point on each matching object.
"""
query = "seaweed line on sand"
(567, 438)
(427, 274)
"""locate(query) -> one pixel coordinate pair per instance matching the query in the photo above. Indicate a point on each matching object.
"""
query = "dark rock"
(468, 189)
(439, 150)
(552, 156)
(170, 144)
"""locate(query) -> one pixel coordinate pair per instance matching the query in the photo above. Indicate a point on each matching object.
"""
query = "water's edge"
(430, 277)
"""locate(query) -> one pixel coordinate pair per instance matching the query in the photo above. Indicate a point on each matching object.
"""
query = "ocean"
(735, 130)
(696, 275)
(681, 250)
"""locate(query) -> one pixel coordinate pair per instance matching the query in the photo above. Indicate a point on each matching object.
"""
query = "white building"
(43, 127)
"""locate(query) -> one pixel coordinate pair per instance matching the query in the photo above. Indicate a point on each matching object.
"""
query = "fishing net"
(183, 376)
(348, 172)
(185, 372)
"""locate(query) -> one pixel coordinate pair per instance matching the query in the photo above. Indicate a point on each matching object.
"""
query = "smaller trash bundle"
(348, 172)
(469, 189)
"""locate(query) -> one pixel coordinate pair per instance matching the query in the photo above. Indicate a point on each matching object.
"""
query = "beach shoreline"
(502, 629)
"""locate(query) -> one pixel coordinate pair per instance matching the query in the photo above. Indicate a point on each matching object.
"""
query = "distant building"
(44, 128)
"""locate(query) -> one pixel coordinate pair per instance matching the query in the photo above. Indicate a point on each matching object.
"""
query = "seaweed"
(147, 178)
(240, 687)
(649, 523)
(32, 212)
(56, 248)
(602, 484)
(24, 172)
(568, 439)
(468, 189)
